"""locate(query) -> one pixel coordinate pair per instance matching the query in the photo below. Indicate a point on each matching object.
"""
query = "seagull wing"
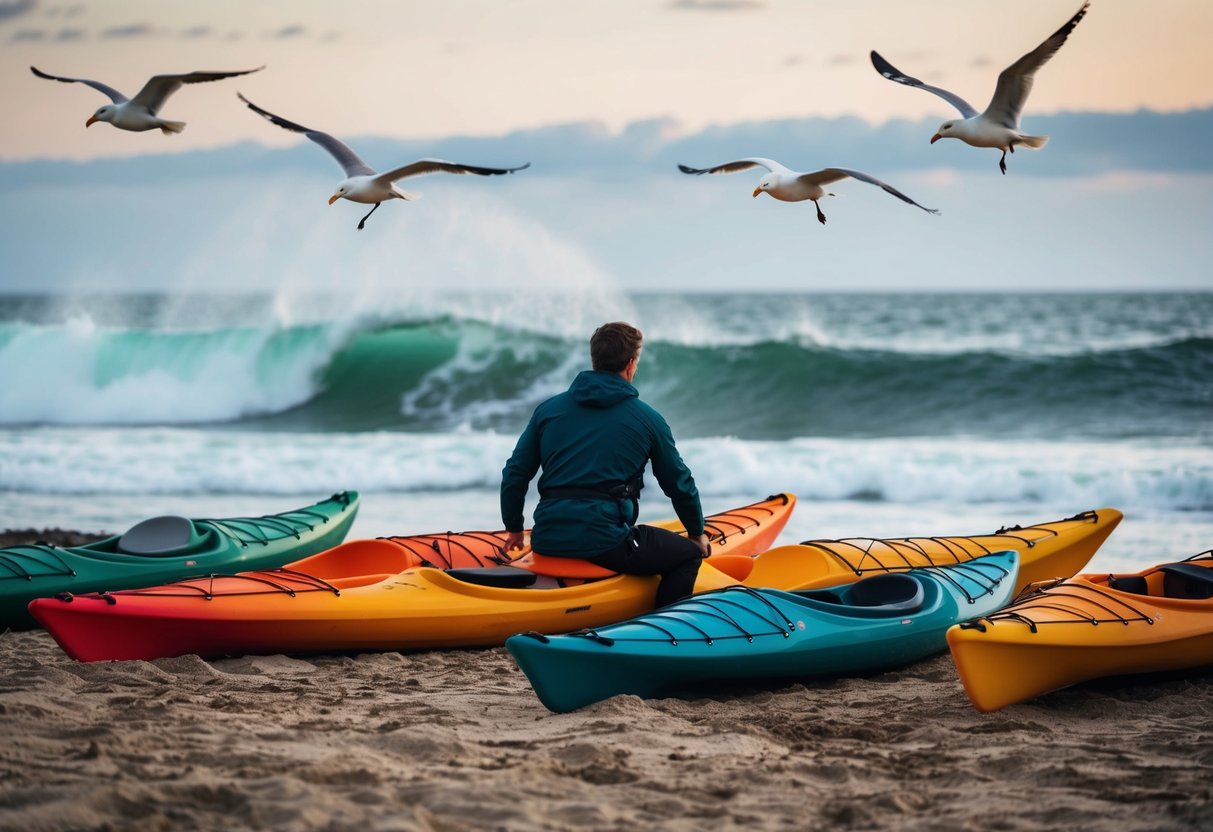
(894, 74)
(159, 87)
(828, 175)
(423, 166)
(737, 166)
(348, 159)
(1015, 82)
(106, 89)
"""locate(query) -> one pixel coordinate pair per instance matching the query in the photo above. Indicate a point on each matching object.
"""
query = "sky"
(602, 98)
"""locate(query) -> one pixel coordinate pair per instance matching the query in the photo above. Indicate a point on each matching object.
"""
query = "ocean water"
(886, 414)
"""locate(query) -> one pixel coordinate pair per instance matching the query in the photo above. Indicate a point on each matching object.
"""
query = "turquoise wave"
(445, 373)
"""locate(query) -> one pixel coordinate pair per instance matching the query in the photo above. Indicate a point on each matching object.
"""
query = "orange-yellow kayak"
(1047, 550)
(1064, 632)
(743, 531)
(385, 594)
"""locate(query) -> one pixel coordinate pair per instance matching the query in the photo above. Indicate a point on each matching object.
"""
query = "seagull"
(139, 113)
(998, 126)
(793, 186)
(362, 183)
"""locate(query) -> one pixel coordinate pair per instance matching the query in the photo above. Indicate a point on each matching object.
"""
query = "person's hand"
(704, 544)
(514, 540)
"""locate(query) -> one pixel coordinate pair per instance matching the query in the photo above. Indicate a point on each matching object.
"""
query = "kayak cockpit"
(163, 536)
(894, 593)
(506, 577)
(1180, 581)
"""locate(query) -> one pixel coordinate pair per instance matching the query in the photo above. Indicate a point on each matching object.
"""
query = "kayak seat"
(165, 535)
(737, 567)
(1186, 580)
(560, 567)
(503, 577)
(1132, 584)
(891, 593)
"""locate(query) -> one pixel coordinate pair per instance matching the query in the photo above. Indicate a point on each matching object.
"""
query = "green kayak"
(169, 548)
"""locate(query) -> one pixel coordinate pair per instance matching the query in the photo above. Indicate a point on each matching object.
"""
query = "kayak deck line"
(868, 561)
(712, 525)
(714, 605)
(987, 576)
(203, 586)
(1061, 591)
(247, 530)
(1089, 514)
(972, 571)
(425, 552)
(12, 557)
(429, 548)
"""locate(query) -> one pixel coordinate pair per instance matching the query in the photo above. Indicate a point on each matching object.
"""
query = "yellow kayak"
(1057, 549)
(1064, 632)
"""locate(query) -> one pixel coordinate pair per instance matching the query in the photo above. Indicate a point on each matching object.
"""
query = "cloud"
(28, 36)
(937, 178)
(837, 59)
(195, 32)
(64, 11)
(1084, 144)
(718, 5)
(295, 30)
(1097, 179)
(1129, 181)
(69, 35)
(15, 8)
(131, 30)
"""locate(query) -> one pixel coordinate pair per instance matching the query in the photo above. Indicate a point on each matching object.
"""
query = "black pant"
(653, 551)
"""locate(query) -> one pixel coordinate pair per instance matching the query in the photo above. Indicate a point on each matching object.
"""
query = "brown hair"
(613, 345)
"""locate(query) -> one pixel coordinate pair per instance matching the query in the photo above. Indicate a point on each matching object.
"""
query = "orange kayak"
(1064, 632)
(743, 531)
(386, 594)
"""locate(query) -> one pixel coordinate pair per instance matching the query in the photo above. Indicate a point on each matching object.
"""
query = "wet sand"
(456, 740)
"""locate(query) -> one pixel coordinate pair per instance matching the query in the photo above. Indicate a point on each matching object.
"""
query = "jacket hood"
(594, 388)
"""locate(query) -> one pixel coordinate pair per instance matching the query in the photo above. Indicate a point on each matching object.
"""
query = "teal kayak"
(744, 634)
(165, 549)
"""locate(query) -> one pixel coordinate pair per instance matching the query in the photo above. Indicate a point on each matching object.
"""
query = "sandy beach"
(456, 740)
(465, 259)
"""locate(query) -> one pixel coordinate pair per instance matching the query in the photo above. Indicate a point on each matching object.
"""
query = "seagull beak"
(757, 191)
(936, 138)
(90, 121)
(334, 198)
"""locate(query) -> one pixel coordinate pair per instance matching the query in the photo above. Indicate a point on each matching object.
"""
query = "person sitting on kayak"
(593, 443)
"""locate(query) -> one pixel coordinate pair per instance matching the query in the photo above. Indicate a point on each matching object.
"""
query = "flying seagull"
(140, 113)
(794, 186)
(998, 126)
(362, 183)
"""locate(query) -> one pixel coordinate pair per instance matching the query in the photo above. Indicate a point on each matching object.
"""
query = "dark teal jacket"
(597, 433)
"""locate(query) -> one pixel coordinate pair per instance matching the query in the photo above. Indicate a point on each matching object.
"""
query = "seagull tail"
(170, 127)
(1034, 142)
